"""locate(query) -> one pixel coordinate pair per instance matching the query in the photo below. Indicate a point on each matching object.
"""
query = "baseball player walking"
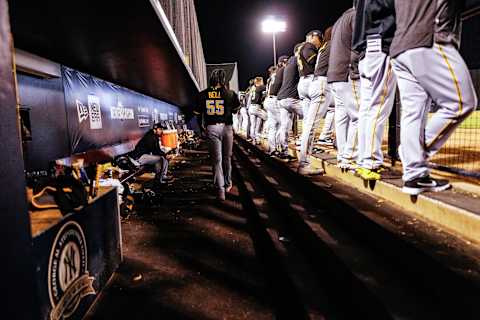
(373, 35)
(345, 87)
(216, 104)
(429, 68)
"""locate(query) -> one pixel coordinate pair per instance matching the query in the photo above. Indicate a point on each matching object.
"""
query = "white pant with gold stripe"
(437, 74)
(347, 104)
(377, 91)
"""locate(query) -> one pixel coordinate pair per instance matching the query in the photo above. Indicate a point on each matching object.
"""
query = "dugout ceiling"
(121, 42)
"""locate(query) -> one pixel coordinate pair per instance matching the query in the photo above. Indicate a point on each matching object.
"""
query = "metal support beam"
(16, 267)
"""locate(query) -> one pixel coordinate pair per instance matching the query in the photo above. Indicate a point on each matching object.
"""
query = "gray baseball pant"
(319, 98)
(377, 91)
(160, 162)
(220, 144)
(288, 107)
(347, 103)
(437, 74)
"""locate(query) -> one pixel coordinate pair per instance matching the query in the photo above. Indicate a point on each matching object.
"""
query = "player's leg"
(326, 136)
(379, 103)
(215, 136)
(227, 150)
(449, 83)
(366, 87)
(415, 105)
(317, 108)
(352, 105)
(286, 118)
(341, 119)
(253, 121)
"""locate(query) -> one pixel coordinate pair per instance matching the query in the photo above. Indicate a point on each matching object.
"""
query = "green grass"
(472, 122)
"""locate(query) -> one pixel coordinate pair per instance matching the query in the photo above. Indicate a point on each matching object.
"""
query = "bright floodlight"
(272, 26)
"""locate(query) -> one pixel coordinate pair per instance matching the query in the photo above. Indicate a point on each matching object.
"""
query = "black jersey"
(290, 81)
(217, 105)
(306, 58)
(257, 94)
(277, 82)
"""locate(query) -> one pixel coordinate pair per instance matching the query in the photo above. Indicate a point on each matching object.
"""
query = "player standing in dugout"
(372, 36)
(428, 67)
(215, 105)
(343, 80)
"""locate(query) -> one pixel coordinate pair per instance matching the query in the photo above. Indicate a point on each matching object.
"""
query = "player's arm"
(309, 54)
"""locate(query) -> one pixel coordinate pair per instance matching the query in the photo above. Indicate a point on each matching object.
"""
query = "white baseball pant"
(329, 122)
(273, 122)
(257, 117)
(319, 98)
(377, 91)
(245, 121)
(440, 74)
(347, 103)
(288, 107)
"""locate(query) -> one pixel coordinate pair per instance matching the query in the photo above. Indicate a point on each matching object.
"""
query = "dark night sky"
(231, 29)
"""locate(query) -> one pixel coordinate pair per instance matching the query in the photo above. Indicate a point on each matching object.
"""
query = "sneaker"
(310, 171)
(425, 184)
(326, 142)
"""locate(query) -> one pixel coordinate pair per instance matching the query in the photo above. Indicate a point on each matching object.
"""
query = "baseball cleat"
(425, 184)
(326, 142)
(370, 175)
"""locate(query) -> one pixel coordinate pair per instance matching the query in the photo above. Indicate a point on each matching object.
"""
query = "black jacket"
(421, 23)
(149, 144)
(339, 64)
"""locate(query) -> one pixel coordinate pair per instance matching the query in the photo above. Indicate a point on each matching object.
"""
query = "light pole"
(273, 26)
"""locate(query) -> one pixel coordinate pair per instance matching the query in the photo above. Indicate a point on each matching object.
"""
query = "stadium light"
(273, 26)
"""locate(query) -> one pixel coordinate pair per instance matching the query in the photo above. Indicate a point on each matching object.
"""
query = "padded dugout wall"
(45, 100)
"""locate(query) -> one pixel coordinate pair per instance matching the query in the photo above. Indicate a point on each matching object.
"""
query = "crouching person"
(215, 106)
(149, 151)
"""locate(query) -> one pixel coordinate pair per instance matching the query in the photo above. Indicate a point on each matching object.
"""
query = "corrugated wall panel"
(183, 18)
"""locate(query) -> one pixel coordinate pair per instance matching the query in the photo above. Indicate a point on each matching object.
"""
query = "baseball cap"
(282, 59)
(317, 33)
(160, 125)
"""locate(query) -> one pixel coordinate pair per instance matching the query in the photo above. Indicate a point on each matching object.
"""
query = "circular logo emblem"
(68, 280)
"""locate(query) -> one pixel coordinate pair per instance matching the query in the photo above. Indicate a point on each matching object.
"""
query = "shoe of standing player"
(370, 174)
(328, 142)
(310, 171)
(425, 184)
